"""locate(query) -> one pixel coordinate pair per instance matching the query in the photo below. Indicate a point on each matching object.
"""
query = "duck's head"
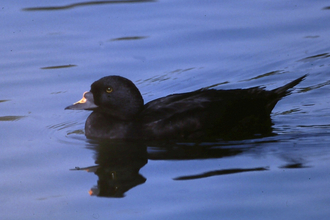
(113, 95)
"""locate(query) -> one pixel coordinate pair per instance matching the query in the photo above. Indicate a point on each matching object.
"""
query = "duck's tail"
(282, 91)
(285, 90)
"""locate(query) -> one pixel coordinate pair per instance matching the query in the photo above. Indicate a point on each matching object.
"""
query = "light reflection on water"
(164, 47)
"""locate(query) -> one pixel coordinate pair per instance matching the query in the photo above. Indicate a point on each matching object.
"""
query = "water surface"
(52, 51)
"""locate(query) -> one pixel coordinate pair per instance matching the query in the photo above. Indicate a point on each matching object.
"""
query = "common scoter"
(119, 112)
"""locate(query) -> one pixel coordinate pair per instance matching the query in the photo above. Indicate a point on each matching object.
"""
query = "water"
(52, 51)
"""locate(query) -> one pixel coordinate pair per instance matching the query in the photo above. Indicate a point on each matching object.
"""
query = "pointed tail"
(282, 91)
(285, 90)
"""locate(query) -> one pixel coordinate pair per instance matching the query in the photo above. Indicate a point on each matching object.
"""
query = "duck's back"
(207, 113)
(237, 113)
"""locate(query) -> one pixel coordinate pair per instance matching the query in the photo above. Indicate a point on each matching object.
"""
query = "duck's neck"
(100, 125)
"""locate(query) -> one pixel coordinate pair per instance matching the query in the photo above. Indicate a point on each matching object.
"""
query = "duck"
(119, 112)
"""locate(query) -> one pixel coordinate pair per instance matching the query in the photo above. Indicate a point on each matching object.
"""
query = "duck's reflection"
(118, 163)
(196, 151)
(118, 166)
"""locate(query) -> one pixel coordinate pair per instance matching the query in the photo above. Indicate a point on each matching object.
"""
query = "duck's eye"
(108, 90)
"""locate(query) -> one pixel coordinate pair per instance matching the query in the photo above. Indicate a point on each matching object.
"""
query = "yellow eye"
(108, 90)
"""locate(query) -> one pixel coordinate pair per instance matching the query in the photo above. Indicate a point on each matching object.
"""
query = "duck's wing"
(203, 112)
(177, 103)
(177, 115)
(200, 113)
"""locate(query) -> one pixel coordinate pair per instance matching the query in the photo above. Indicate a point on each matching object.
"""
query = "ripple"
(63, 125)
(288, 112)
(276, 72)
(327, 126)
(315, 57)
(58, 67)
(128, 38)
(69, 6)
(317, 86)
(69, 132)
(164, 77)
(11, 118)
(79, 131)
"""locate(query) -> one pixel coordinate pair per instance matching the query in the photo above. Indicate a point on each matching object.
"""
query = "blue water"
(52, 51)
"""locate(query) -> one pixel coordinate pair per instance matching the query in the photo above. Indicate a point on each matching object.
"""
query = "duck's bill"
(86, 103)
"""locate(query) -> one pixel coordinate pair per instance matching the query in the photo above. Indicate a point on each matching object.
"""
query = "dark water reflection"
(220, 172)
(315, 57)
(58, 67)
(118, 164)
(79, 4)
(11, 118)
(128, 38)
